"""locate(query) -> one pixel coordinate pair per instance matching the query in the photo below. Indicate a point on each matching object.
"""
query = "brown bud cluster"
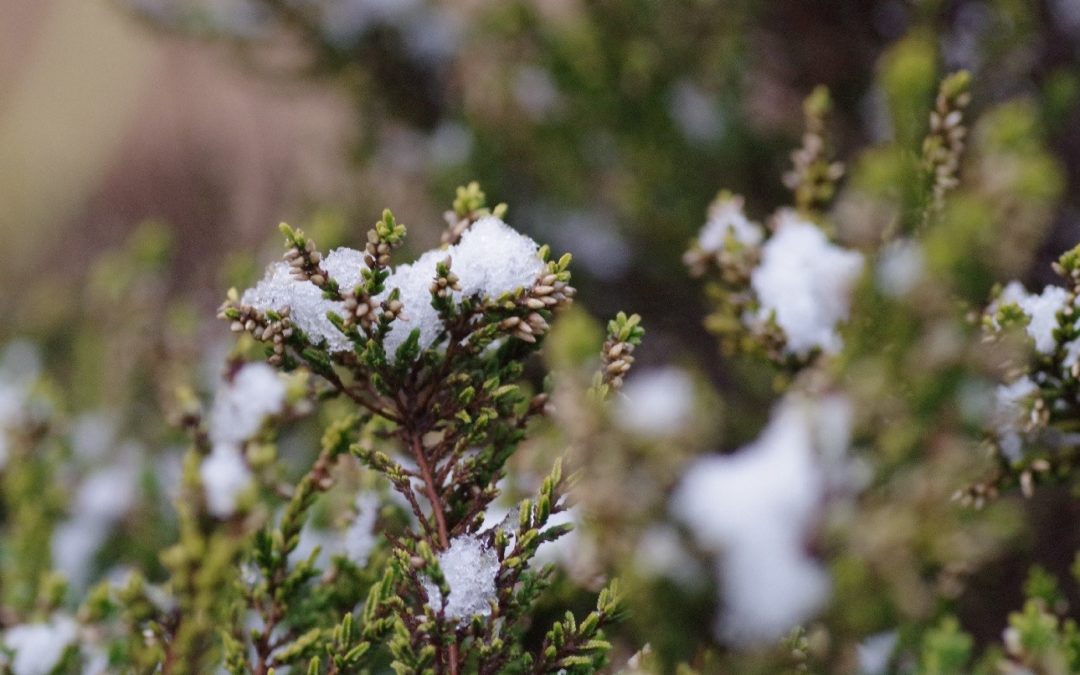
(262, 327)
(444, 286)
(377, 251)
(617, 357)
(360, 309)
(305, 264)
(944, 143)
(455, 227)
(392, 309)
(547, 293)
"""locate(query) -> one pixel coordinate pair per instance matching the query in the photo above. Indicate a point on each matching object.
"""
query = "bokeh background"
(606, 125)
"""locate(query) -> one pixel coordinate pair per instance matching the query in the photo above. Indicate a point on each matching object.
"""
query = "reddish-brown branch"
(431, 490)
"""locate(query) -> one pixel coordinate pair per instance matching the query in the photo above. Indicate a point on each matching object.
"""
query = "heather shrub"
(441, 461)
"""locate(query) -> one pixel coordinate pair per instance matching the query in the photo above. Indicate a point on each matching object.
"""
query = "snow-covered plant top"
(429, 355)
(490, 260)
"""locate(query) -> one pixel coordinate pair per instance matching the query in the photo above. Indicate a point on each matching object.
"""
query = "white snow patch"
(1042, 311)
(39, 646)
(874, 652)
(102, 499)
(225, 477)
(806, 281)
(279, 290)
(900, 267)
(726, 216)
(1010, 411)
(470, 569)
(657, 402)
(695, 111)
(660, 553)
(413, 281)
(345, 265)
(492, 258)
(241, 406)
(754, 509)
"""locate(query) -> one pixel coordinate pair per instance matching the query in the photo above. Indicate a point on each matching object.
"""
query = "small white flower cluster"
(240, 408)
(803, 281)
(754, 510)
(491, 259)
(38, 647)
(470, 569)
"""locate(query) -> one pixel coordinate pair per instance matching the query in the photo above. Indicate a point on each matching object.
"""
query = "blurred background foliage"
(148, 146)
(608, 126)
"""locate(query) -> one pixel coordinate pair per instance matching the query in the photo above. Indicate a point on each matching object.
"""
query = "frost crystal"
(39, 647)
(753, 510)
(726, 215)
(470, 569)
(807, 282)
(225, 477)
(360, 537)
(242, 405)
(656, 402)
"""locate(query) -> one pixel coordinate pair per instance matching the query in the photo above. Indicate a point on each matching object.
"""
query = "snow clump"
(657, 402)
(491, 259)
(726, 216)
(470, 569)
(1010, 410)
(754, 510)
(38, 647)
(240, 408)
(280, 290)
(805, 282)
